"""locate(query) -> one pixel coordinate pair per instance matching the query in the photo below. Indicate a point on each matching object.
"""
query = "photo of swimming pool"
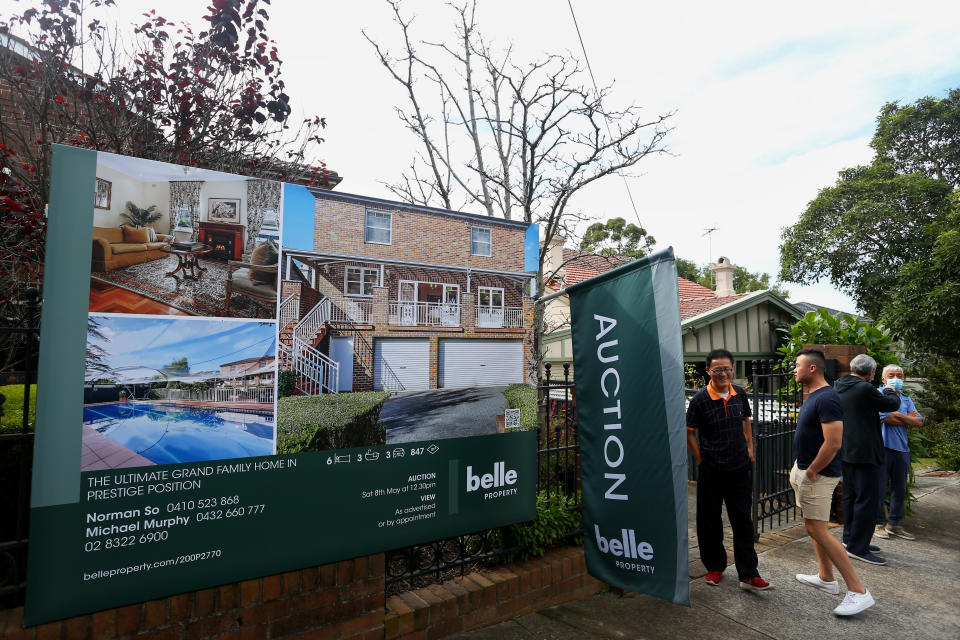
(167, 434)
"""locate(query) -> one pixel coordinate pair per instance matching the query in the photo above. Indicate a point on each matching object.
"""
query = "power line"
(599, 100)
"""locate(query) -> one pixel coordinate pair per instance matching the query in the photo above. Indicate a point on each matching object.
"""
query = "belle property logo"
(501, 481)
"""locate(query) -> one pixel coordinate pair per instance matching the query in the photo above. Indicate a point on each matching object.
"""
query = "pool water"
(167, 434)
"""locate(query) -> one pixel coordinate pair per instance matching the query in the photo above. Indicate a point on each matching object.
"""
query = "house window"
(360, 281)
(479, 241)
(377, 228)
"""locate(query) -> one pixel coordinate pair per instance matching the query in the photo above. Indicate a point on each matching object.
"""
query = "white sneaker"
(854, 603)
(816, 582)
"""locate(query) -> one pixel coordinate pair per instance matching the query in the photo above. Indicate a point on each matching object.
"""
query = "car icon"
(399, 452)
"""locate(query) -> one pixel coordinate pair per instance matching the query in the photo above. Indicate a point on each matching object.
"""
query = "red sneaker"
(713, 577)
(755, 583)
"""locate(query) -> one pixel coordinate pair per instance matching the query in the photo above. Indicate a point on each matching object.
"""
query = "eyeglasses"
(722, 371)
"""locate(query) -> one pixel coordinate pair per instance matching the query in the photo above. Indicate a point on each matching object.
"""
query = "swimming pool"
(166, 434)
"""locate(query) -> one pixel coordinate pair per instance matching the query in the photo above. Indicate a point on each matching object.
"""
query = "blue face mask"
(896, 383)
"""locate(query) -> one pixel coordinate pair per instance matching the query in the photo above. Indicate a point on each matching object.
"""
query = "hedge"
(12, 419)
(523, 397)
(330, 421)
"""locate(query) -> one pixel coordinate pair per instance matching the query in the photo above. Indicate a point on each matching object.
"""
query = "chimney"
(723, 271)
(554, 258)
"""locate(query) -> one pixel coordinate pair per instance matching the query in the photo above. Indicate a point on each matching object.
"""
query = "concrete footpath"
(917, 592)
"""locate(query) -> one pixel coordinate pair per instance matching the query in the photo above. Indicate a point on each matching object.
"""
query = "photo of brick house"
(249, 372)
(399, 297)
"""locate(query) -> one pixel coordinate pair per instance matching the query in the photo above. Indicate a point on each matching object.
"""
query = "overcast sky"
(771, 99)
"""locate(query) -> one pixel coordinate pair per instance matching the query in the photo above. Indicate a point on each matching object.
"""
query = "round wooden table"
(188, 261)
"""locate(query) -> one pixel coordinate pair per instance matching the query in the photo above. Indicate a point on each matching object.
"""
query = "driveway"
(414, 416)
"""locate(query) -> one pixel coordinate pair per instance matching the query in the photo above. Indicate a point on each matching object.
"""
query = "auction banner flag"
(628, 359)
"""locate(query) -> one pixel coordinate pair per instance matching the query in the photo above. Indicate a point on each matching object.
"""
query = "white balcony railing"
(348, 310)
(424, 314)
(500, 317)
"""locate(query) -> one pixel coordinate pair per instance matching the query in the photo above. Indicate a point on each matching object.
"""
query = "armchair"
(247, 279)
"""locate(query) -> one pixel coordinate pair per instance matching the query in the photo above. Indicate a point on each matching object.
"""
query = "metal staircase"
(316, 372)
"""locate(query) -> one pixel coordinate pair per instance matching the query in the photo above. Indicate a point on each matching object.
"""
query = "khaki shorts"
(813, 498)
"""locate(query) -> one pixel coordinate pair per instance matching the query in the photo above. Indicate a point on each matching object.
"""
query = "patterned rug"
(204, 297)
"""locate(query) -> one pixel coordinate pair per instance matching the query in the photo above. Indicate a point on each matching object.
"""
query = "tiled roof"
(694, 298)
(691, 307)
(580, 266)
(690, 290)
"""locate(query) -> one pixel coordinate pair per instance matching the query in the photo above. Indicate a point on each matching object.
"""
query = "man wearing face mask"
(897, 451)
(862, 454)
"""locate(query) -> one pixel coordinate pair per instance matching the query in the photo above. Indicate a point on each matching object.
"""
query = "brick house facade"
(413, 288)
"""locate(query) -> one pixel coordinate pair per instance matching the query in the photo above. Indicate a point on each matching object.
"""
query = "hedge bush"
(946, 445)
(557, 517)
(286, 382)
(523, 397)
(330, 421)
(12, 419)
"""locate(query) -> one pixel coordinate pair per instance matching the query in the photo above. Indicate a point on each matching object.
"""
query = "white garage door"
(480, 363)
(401, 365)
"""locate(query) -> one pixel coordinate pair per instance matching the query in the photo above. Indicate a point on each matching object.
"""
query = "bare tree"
(518, 139)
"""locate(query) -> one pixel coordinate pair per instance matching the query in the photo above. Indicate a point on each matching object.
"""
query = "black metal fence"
(776, 402)
(558, 472)
(16, 457)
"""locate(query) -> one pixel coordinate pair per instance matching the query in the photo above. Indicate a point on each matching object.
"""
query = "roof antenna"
(709, 233)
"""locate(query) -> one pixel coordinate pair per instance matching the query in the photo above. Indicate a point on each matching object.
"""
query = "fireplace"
(225, 240)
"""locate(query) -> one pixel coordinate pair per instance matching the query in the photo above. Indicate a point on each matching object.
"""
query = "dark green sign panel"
(628, 357)
(147, 532)
(168, 485)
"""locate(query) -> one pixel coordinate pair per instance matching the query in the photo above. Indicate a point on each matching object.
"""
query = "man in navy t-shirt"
(815, 476)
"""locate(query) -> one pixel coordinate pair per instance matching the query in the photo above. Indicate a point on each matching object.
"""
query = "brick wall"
(486, 597)
(341, 600)
(416, 236)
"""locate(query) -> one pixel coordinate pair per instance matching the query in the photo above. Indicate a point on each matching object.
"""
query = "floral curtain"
(185, 194)
(262, 196)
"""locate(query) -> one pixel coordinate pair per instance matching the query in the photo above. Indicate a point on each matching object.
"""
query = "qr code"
(512, 418)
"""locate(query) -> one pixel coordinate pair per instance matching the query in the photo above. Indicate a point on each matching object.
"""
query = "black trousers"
(861, 501)
(734, 488)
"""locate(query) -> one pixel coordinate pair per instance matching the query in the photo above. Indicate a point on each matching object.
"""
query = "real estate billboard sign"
(213, 408)
(628, 357)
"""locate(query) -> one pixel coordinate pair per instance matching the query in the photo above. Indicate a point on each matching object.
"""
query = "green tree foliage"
(616, 237)
(860, 231)
(923, 307)
(819, 327)
(179, 365)
(744, 281)
(884, 233)
(689, 270)
(922, 137)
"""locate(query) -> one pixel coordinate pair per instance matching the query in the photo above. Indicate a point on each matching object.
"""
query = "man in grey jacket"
(862, 454)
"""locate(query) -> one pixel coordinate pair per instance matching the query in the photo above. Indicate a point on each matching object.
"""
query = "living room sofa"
(115, 247)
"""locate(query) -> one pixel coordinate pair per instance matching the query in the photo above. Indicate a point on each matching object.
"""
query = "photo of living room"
(174, 240)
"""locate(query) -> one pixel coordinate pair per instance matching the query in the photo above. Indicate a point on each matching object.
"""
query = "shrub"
(154, 394)
(946, 446)
(523, 397)
(12, 418)
(939, 400)
(286, 383)
(331, 421)
(557, 517)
